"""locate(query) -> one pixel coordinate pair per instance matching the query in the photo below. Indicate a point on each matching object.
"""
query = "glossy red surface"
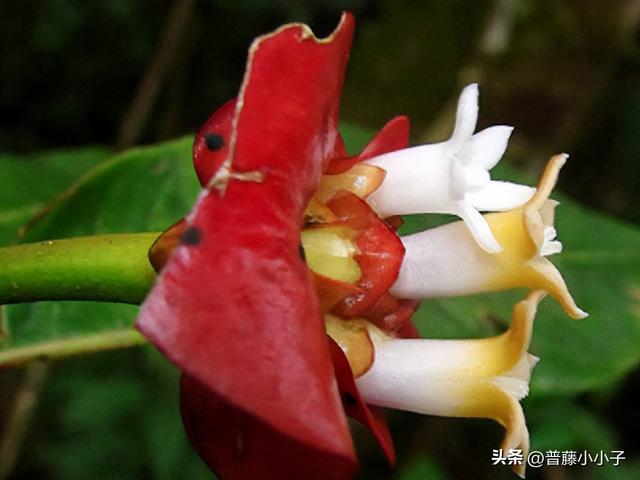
(237, 310)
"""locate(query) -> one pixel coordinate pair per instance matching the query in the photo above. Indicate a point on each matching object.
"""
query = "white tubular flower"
(446, 261)
(451, 177)
(482, 378)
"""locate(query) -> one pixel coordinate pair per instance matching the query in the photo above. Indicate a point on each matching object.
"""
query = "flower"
(446, 261)
(451, 177)
(283, 296)
(459, 378)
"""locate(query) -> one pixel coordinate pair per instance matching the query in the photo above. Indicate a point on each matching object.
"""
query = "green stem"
(66, 347)
(112, 268)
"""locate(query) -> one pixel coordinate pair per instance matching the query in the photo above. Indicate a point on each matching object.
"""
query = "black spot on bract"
(348, 400)
(191, 236)
(303, 256)
(214, 141)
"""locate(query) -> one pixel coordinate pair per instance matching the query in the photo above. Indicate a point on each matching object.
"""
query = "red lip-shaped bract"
(235, 307)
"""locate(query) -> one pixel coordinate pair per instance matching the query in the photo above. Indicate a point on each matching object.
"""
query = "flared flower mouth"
(539, 211)
(433, 258)
(453, 176)
(459, 378)
(529, 236)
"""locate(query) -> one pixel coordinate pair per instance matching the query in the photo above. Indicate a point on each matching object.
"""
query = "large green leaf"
(145, 189)
(33, 180)
(559, 424)
(111, 416)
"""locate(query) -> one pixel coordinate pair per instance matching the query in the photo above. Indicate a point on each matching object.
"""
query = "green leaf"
(145, 189)
(557, 424)
(420, 468)
(33, 180)
(112, 417)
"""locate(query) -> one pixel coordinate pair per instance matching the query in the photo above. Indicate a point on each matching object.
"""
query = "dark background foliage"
(565, 73)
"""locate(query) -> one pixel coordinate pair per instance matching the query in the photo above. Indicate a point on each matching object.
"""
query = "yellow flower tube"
(482, 378)
(446, 261)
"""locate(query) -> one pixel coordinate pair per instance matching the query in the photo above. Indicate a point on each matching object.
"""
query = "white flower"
(452, 176)
(446, 261)
(482, 378)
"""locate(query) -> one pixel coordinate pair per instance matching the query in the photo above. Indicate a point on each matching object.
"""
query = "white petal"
(550, 245)
(458, 182)
(550, 248)
(485, 148)
(464, 179)
(479, 228)
(498, 196)
(417, 181)
(423, 376)
(550, 233)
(476, 176)
(466, 117)
(516, 381)
(443, 262)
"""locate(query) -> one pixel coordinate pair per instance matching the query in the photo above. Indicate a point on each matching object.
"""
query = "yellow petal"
(499, 398)
(547, 182)
(539, 210)
(503, 352)
(489, 401)
(543, 274)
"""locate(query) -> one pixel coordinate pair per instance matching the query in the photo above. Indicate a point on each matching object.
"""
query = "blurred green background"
(83, 80)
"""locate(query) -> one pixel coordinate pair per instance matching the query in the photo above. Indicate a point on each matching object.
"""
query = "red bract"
(380, 255)
(235, 306)
(210, 147)
(239, 445)
(370, 416)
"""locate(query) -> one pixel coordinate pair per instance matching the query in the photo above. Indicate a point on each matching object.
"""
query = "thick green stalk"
(112, 268)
